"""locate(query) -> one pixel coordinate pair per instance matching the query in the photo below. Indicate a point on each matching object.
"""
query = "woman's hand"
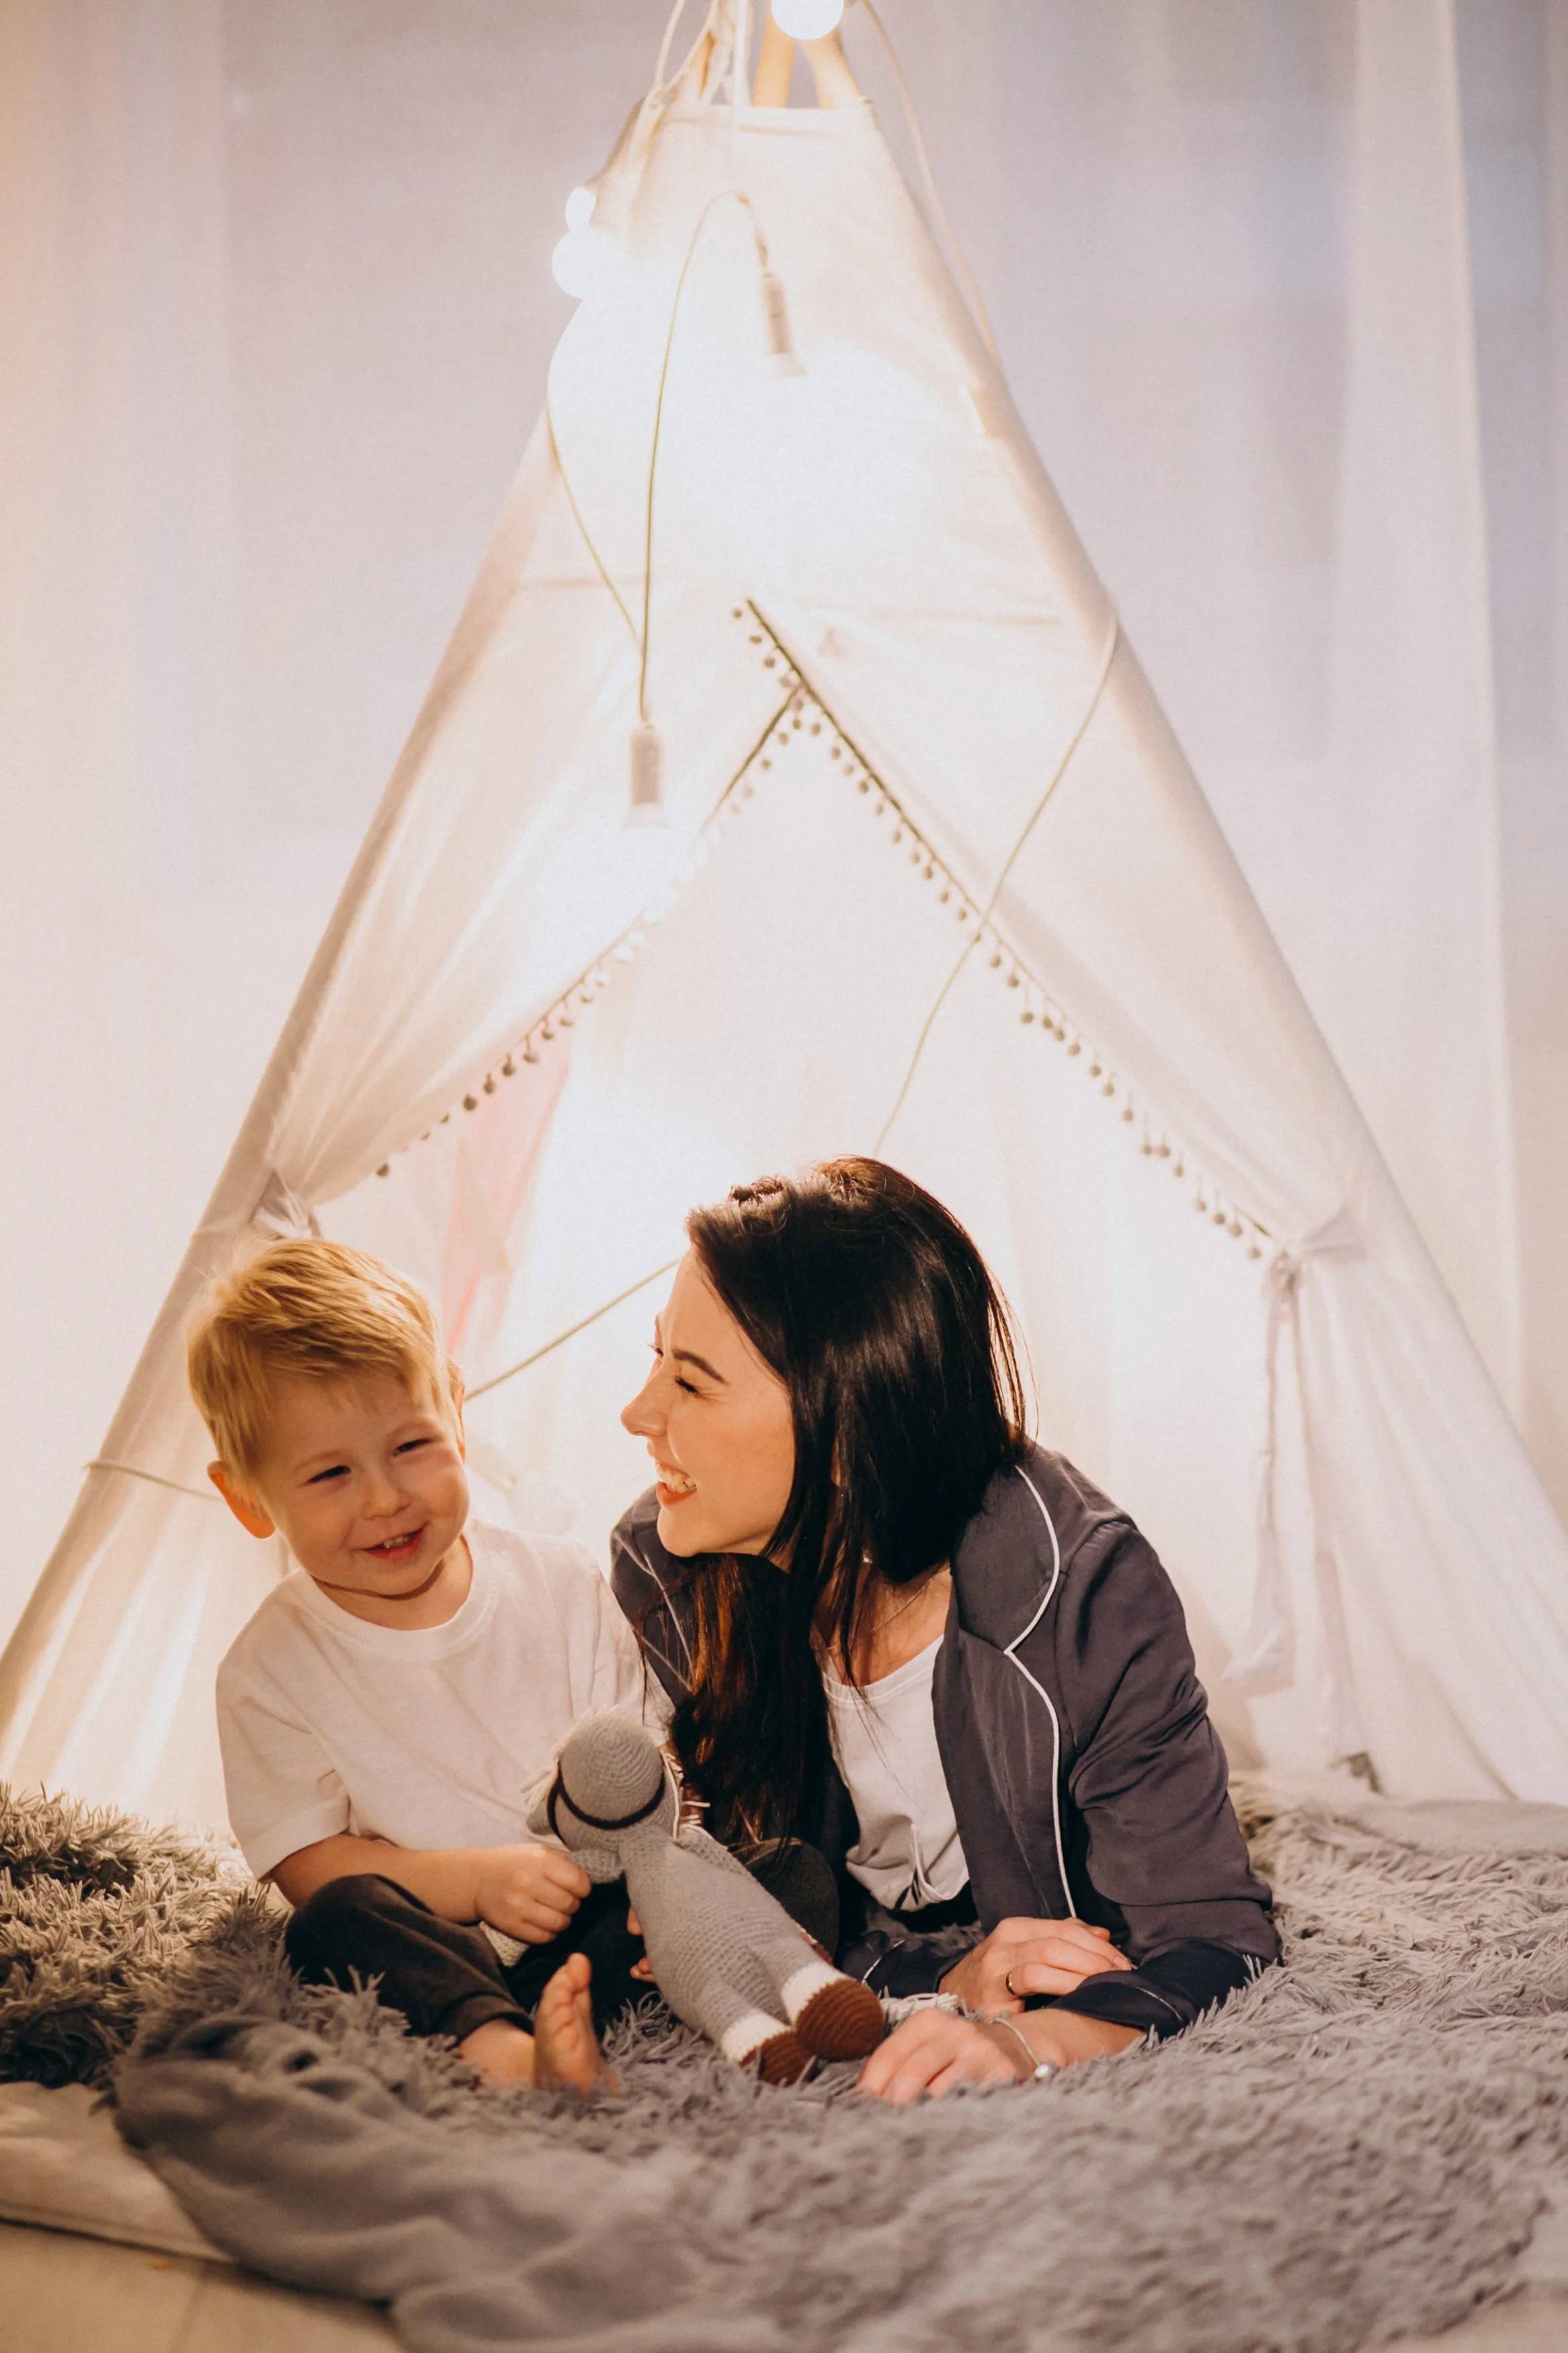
(530, 1892)
(933, 2052)
(1024, 1956)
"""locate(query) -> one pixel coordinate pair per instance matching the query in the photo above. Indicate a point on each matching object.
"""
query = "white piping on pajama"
(1010, 1651)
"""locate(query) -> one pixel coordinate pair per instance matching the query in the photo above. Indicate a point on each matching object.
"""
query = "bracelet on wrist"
(1040, 2070)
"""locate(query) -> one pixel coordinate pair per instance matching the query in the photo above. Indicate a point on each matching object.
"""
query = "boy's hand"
(530, 1892)
(642, 1970)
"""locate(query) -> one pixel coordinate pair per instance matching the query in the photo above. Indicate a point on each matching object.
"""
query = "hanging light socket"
(647, 804)
(782, 357)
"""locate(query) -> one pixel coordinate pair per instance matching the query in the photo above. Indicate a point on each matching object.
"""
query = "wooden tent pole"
(836, 85)
(774, 66)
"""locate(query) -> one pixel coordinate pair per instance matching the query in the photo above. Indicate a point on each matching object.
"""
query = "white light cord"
(739, 95)
(724, 196)
(740, 83)
(570, 1333)
(582, 526)
(153, 1478)
(1114, 638)
(676, 15)
(928, 180)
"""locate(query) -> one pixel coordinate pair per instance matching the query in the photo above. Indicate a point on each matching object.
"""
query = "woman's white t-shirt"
(428, 1736)
(909, 1853)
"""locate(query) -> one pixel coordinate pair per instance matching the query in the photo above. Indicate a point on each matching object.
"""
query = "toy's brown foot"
(785, 2058)
(842, 2020)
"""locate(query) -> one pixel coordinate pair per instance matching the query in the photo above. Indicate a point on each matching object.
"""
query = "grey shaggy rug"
(1353, 2149)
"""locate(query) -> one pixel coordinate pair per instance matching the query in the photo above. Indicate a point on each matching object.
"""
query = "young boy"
(387, 1711)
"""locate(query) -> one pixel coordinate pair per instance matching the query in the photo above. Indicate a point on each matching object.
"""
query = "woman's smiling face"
(718, 1425)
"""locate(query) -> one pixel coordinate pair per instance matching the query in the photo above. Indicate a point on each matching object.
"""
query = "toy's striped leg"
(735, 2024)
(834, 2016)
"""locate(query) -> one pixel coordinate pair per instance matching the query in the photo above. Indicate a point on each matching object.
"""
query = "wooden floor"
(59, 2294)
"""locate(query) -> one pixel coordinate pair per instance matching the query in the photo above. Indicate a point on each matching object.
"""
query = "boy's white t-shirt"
(428, 1737)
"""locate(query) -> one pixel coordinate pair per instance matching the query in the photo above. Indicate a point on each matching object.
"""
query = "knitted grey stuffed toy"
(727, 1958)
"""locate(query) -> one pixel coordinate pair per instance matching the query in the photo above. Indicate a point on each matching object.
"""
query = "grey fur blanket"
(1353, 2149)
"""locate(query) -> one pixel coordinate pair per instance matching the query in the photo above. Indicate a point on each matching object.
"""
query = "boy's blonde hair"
(315, 1309)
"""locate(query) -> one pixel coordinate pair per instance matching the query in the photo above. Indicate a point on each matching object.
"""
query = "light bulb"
(807, 20)
(580, 207)
(584, 261)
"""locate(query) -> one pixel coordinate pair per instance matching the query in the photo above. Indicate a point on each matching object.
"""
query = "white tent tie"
(1262, 1657)
(281, 1213)
(1262, 1654)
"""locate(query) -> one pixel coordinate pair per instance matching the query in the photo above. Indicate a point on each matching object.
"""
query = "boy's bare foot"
(565, 2047)
(501, 2050)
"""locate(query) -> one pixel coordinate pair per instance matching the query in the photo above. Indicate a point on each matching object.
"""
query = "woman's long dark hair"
(873, 1306)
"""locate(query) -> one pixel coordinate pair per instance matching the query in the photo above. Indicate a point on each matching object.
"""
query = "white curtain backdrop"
(1410, 787)
(1282, 290)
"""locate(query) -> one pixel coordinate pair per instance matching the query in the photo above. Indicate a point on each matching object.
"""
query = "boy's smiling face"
(366, 1481)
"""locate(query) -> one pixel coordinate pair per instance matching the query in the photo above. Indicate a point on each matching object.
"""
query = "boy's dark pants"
(445, 1975)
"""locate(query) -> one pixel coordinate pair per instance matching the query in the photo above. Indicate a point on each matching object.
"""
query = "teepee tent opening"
(917, 868)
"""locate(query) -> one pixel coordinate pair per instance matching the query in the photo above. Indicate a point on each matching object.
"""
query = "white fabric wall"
(276, 308)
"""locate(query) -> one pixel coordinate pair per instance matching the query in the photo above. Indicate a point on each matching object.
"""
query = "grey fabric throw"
(1355, 2149)
(306, 2167)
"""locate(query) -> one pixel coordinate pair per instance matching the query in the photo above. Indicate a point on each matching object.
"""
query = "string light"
(586, 260)
(1038, 1009)
(561, 1013)
(807, 20)
(647, 804)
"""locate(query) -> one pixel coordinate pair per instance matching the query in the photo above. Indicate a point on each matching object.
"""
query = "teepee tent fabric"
(933, 856)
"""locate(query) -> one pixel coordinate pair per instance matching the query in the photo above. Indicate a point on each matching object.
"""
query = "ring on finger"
(1007, 1981)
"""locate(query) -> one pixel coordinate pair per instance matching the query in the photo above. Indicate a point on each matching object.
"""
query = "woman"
(893, 1627)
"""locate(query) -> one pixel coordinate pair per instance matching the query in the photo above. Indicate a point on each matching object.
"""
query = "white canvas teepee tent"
(933, 878)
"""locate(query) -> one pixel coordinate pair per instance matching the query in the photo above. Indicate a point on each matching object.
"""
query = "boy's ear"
(251, 1517)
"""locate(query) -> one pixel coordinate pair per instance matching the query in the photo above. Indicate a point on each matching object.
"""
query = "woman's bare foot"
(501, 2050)
(565, 2047)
